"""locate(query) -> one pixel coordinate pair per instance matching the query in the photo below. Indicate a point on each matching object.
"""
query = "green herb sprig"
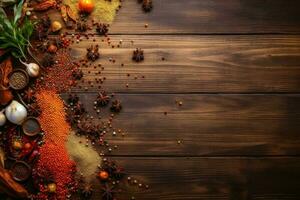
(14, 36)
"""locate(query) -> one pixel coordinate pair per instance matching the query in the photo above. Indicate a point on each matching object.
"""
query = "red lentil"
(53, 154)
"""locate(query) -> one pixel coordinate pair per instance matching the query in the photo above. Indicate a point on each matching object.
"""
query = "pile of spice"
(53, 154)
(62, 74)
(104, 10)
(46, 153)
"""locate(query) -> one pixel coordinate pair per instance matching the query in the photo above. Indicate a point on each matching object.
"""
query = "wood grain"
(198, 64)
(205, 124)
(207, 17)
(211, 178)
(235, 65)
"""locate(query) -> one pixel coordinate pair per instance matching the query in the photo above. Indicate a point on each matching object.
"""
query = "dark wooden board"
(208, 17)
(230, 64)
(205, 124)
(229, 178)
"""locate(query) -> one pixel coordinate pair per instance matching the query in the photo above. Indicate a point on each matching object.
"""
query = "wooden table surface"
(235, 65)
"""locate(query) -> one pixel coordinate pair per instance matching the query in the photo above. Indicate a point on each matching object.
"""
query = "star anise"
(93, 53)
(102, 29)
(29, 95)
(81, 26)
(116, 106)
(86, 191)
(102, 99)
(77, 74)
(34, 110)
(48, 60)
(69, 24)
(73, 99)
(43, 46)
(119, 173)
(83, 128)
(79, 109)
(138, 55)
(41, 28)
(147, 5)
(57, 42)
(114, 171)
(45, 22)
(71, 118)
(88, 128)
(108, 192)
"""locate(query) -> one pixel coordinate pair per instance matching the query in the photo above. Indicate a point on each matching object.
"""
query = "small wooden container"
(18, 79)
(20, 171)
(31, 126)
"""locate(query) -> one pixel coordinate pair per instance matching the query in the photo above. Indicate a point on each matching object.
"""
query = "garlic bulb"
(32, 69)
(15, 112)
(2, 118)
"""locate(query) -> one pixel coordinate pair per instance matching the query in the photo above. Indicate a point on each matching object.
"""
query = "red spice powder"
(53, 154)
(59, 76)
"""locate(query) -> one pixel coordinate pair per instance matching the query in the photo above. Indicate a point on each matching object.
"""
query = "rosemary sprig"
(14, 36)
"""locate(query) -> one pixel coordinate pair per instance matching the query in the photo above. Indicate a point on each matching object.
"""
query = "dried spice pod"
(138, 55)
(86, 191)
(81, 26)
(69, 24)
(102, 29)
(28, 95)
(48, 60)
(63, 12)
(45, 22)
(45, 5)
(102, 99)
(34, 110)
(77, 74)
(43, 46)
(147, 5)
(116, 106)
(71, 14)
(93, 53)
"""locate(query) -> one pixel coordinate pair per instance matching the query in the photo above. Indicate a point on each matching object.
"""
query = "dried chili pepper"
(45, 5)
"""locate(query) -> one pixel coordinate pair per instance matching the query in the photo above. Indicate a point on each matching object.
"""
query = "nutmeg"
(52, 48)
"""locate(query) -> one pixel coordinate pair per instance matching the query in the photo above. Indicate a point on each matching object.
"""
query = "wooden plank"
(206, 17)
(205, 124)
(231, 64)
(211, 178)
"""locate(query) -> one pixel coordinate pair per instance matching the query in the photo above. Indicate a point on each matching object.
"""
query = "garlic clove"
(33, 69)
(15, 112)
(2, 118)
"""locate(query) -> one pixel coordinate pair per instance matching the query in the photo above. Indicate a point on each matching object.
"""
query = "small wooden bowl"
(18, 79)
(31, 126)
(20, 171)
